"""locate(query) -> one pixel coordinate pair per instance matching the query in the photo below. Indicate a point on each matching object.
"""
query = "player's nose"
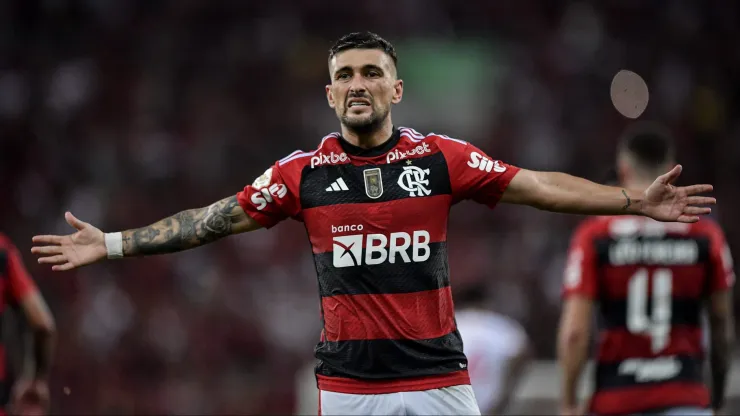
(357, 87)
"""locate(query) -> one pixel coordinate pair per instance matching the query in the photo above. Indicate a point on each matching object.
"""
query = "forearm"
(570, 194)
(572, 355)
(720, 360)
(560, 192)
(43, 352)
(514, 370)
(184, 230)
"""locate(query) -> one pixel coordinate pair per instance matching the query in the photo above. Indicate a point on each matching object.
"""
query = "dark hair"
(650, 145)
(363, 40)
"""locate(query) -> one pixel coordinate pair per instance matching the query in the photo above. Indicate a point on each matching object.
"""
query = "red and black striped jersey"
(650, 280)
(15, 285)
(377, 224)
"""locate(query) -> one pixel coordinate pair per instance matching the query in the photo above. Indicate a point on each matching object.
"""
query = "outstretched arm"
(189, 229)
(182, 231)
(560, 192)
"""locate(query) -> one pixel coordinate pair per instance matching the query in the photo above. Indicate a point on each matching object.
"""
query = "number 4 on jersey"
(658, 324)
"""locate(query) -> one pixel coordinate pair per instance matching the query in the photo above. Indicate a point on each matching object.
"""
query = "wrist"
(114, 245)
(633, 202)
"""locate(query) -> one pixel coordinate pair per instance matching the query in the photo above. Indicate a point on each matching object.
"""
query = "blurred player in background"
(497, 348)
(651, 281)
(30, 393)
(375, 200)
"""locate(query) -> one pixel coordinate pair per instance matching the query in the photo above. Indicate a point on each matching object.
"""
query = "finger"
(73, 221)
(58, 259)
(46, 250)
(697, 210)
(701, 200)
(671, 176)
(63, 267)
(688, 218)
(47, 239)
(697, 189)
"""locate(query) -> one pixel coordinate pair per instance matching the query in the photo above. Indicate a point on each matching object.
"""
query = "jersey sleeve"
(580, 276)
(723, 274)
(20, 283)
(475, 175)
(272, 197)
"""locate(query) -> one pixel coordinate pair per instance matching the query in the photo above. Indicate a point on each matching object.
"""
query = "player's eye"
(373, 74)
(343, 76)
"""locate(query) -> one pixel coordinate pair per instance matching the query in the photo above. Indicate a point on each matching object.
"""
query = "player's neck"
(371, 139)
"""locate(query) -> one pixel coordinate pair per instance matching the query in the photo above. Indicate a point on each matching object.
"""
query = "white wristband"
(114, 245)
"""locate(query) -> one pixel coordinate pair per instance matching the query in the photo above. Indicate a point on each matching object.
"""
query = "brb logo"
(481, 162)
(413, 179)
(348, 249)
(332, 159)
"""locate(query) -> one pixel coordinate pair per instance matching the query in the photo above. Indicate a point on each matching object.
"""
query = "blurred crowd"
(125, 112)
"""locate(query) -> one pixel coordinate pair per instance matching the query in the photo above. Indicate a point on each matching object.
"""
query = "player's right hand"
(66, 252)
(30, 397)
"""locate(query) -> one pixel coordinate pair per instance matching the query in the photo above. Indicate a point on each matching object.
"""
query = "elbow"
(543, 205)
(548, 195)
(541, 200)
(46, 328)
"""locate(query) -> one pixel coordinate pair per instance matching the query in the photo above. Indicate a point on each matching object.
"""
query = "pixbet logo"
(482, 163)
(348, 250)
(332, 159)
(399, 155)
(265, 195)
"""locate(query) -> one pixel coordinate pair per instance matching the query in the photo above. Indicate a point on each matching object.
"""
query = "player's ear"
(397, 91)
(330, 97)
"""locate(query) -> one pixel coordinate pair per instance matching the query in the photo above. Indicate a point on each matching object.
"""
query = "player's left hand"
(665, 202)
(30, 397)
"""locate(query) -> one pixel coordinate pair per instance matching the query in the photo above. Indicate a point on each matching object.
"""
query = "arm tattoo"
(184, 230)
(629, 201)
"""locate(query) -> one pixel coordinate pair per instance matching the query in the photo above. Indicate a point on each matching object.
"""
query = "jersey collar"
(378, 150)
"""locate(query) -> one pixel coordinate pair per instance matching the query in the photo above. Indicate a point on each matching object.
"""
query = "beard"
(365, 125)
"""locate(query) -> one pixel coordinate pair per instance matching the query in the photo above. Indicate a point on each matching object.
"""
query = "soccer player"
(651, 280)
(497, 349)
(375, 199)
(31, 390)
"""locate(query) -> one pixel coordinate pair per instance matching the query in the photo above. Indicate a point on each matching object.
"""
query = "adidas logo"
(337, 185)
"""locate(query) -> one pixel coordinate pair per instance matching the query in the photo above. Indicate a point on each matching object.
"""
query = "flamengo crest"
(414, 181)
(373, 183)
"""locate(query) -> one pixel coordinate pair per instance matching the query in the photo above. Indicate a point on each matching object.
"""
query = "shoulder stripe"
(412, 138)
(412, 133)
(298, 154)
(290, 155)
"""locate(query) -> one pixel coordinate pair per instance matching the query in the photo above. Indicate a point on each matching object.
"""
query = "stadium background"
(128, 111)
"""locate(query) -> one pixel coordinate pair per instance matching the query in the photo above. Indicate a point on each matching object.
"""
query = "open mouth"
(358, 103)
